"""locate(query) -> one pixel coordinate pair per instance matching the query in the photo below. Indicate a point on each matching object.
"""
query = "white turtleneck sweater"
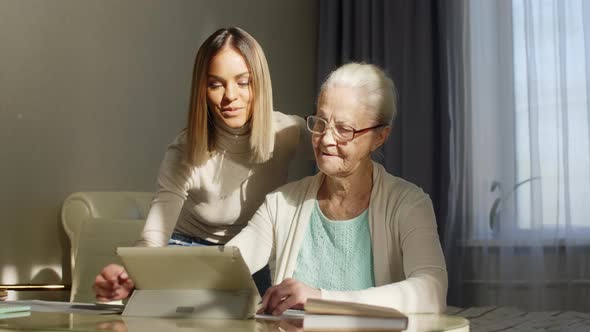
(217, 199)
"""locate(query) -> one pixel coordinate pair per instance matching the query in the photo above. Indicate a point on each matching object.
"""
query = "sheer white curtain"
(519, 207)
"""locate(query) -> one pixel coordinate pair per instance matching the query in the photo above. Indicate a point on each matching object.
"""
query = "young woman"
(234, 151)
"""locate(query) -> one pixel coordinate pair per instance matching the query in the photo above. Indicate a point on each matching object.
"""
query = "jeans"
(261, 278)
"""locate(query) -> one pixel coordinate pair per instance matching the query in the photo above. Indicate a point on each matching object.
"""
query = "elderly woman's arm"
(425, 287)
(255, 241)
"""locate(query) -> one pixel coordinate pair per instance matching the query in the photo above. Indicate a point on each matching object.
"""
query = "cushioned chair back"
(96, 224)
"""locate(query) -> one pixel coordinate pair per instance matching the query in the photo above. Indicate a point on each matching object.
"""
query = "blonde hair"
(374, 89)
(200, 138)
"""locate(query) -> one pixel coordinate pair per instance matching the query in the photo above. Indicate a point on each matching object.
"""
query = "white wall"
(91, 92)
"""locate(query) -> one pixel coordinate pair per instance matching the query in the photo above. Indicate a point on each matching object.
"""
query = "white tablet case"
(197, 282)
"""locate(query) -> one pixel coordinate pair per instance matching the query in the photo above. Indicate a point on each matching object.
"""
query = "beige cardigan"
(410, 271)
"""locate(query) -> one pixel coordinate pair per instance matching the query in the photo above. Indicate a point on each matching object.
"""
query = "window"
(551, 115)
(527, 89)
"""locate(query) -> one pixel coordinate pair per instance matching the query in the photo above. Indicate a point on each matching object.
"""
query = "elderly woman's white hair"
(375, 90)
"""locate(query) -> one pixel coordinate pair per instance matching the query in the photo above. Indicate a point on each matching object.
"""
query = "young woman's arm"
(173, 182)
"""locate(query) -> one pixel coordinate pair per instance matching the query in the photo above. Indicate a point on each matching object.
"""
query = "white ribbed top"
(216, 200)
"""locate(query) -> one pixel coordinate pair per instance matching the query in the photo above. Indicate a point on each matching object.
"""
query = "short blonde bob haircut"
(200, 138)
(374, 89)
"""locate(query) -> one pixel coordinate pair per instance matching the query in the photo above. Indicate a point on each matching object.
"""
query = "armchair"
(96, 223)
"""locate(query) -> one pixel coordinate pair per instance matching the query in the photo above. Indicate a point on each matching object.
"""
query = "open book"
(326, 315)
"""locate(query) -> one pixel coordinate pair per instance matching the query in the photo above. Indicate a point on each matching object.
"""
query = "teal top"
(336, 255)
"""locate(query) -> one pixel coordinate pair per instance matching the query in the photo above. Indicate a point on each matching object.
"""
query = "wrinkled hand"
(289, 294)
(113, 283)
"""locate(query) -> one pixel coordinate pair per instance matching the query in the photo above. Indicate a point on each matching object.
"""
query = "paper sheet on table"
(288, 314)
(71, 307)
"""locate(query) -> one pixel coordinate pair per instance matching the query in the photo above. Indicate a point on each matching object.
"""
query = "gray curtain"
(403, 37)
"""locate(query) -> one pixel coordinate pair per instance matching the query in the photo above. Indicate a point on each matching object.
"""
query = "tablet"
(196, 282)
(203, 267)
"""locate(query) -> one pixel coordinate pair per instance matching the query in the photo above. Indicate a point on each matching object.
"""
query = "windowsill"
(527, 242)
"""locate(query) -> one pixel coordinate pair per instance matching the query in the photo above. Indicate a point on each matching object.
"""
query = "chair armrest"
(99, 239)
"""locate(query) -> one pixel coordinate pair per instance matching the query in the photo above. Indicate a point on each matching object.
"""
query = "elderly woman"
(352, 232)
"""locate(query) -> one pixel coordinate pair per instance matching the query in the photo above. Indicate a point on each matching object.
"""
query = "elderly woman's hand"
(289, 294)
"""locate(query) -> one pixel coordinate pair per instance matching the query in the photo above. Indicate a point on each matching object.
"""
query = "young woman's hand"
(112, 284)
(289, 294)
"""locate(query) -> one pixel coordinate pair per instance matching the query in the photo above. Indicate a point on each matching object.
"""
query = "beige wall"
(91, 92)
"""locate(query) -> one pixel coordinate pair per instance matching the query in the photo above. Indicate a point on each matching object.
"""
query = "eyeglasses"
(342, 132)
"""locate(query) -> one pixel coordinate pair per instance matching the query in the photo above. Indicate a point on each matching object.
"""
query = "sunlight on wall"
(38, 275)
(8, 275)
(46, 273)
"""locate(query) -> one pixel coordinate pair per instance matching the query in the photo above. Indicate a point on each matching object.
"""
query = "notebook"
(201, 282)
(326, 315)
(14, 311)
(7, 308)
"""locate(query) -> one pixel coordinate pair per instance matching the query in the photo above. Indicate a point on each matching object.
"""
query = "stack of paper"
(12, 311)
(325, 315)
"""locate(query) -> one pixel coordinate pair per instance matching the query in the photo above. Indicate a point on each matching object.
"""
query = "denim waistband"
(189, 239)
